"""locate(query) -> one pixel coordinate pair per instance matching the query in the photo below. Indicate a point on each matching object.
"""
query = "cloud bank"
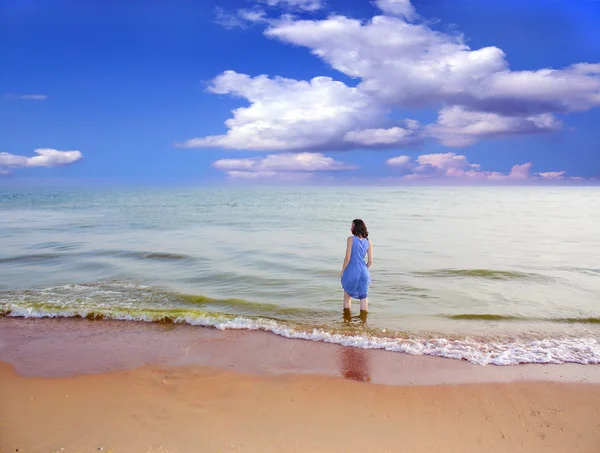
(398, 62)
(456, 167)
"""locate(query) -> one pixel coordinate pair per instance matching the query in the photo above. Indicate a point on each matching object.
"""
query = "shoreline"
(125, 387)
(481, 350)
(81, 346)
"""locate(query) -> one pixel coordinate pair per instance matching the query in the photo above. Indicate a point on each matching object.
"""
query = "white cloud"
(520, 171)
(459, 127)
(302, 5)
(456, 167)
(29, 97)
(402, 8)
(245, 17)
(239, 19)
(452, 166)
(281, 166)
(284, 162)
(575, 88)
(269, 175)
(398, 62)
(553, 175)
(11, 160)
(400, 161)
(412, 65)
(398, 136)
(46, 157)
(252, 15)
(34, 97)
(288, 114)
(228, 20)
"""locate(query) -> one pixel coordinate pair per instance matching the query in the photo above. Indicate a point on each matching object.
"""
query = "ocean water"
(493, 275)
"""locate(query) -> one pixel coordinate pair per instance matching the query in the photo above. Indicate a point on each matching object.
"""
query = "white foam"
(583, 351)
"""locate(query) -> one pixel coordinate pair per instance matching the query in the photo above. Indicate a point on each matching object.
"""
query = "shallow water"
(492, 275)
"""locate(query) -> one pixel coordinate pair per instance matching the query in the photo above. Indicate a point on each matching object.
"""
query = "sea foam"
(583, 351)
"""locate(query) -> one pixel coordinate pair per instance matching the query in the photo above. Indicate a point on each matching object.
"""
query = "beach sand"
(78, 386)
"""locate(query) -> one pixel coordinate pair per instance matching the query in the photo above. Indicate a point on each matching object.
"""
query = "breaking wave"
(130, 302)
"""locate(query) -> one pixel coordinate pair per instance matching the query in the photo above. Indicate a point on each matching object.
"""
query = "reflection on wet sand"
(355, 364)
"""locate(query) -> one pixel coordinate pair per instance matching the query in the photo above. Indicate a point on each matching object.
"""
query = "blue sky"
(327, 91)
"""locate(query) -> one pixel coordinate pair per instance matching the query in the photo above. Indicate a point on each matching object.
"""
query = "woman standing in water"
(355, 274)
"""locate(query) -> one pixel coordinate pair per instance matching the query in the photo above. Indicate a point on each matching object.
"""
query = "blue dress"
(356, 277)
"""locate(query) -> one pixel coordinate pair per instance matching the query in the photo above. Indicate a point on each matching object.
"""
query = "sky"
(300, 91)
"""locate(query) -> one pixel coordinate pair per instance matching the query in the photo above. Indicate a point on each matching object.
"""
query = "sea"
(491, 275)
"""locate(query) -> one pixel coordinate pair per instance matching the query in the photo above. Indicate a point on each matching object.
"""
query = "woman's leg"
(347, 301)
(363, 316)
(364, 305)
(347, 316)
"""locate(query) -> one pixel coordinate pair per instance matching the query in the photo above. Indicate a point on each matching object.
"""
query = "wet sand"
(135, 387)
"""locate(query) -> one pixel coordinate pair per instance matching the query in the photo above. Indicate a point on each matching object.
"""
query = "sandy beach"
(80, 386)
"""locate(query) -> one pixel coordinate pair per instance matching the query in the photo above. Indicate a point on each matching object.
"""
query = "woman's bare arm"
(347, 257)
(370, 255)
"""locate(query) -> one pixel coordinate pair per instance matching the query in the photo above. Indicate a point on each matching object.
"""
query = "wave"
(123, 295)
(589, 320)
(256, 307)
(479, 273)
(517, 351)
(58, 245)
(584, 270)
(53, 256)
(32, 258)
(484, 317)
(478, 351)
(129, 301)
(494, 317)
(145, 255)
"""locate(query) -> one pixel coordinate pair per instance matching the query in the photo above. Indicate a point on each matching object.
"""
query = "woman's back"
(360, 247)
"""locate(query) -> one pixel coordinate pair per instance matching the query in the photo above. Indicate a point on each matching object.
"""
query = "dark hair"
(359, 229)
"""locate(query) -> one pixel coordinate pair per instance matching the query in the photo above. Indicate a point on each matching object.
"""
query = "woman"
(355, 274)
